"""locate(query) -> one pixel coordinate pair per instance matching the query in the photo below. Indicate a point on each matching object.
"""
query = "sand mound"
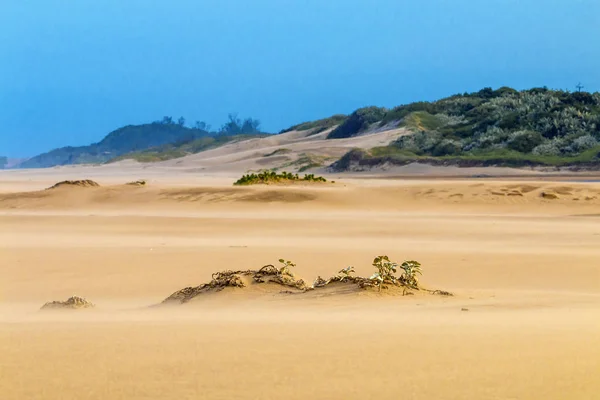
(72, 303)
(78, 183)
(269, 278)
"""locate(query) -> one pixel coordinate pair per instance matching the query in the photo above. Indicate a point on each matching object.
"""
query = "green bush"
(357, 122)
(524, 141)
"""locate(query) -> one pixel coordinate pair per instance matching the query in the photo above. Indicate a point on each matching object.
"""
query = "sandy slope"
(525, 267)
(285, 150)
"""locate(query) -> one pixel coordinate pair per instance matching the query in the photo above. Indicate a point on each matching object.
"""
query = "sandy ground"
(524, 267)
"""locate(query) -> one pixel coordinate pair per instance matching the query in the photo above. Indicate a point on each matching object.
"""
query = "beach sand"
(522, 259)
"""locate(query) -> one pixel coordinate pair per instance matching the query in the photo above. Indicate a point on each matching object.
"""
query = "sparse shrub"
(345, 273)
(386, 270)
(411, 270)
(285, 267)
(270, 274)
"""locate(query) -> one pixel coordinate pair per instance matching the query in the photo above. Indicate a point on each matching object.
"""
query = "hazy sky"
(73, 70)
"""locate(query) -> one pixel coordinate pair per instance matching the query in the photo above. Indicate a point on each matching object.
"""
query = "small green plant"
(386, 270)
(285, 267)
(411, 270)
(345, 273)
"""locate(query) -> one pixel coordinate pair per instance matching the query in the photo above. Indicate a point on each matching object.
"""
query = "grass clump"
(422, 121)
(271, 177)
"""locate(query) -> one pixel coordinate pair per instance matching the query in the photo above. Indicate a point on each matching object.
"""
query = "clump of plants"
(386, 272)
(385, 275)
(388, 275)
(285, 267)
(272, 177)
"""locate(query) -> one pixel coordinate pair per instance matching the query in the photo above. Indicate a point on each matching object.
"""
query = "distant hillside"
(136, 139)
(3, 162)
(503, 127)
(490, 127)
(123, 140)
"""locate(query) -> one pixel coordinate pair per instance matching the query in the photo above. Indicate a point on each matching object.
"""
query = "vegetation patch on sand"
(272, 177)
(268, 275)
(78, 183)
(384, 280)
(72, 303)
(140, 182)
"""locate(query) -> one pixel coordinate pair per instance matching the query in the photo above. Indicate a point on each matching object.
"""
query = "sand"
(524, 321)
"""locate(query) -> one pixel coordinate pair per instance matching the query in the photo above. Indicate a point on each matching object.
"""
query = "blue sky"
(72, 71)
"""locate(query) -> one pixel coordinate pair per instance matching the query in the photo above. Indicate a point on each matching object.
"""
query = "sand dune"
(521, 258)
(289, 150)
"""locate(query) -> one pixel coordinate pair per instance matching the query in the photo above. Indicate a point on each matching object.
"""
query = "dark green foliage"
(235, 126)
(267, 177)
(319, 125)
(446, 147)
(359, 121)
(525, 141)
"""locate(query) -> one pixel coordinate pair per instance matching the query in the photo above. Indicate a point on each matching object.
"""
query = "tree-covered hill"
(504, 126)
(136, 139)
(123, 140)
